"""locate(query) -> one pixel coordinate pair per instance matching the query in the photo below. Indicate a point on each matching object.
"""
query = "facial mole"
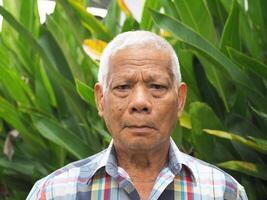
(117, 108)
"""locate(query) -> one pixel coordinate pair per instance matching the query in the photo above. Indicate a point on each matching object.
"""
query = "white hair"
(133, 38)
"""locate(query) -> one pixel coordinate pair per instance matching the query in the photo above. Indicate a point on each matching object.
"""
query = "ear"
(182, 91)
(99, 99)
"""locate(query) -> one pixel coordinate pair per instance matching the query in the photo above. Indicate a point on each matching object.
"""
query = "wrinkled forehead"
(138, 56)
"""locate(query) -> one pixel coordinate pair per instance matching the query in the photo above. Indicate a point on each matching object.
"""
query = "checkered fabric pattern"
(100, 178)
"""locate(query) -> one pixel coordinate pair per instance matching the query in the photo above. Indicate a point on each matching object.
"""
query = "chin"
(141, 145)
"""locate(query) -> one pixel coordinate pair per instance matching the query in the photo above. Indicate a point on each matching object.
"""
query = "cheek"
(113, 113)
(167, 112)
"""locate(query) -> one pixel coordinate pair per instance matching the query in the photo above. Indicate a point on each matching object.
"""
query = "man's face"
(141, 103)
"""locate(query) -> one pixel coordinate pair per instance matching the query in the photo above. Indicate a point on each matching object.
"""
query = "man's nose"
(140, 101)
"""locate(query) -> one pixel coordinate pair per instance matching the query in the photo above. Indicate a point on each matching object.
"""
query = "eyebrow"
(129, 77)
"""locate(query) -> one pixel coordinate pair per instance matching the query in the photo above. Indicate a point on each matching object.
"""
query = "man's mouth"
(141, 129)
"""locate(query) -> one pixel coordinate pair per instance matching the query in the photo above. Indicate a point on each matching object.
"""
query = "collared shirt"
(100, 178)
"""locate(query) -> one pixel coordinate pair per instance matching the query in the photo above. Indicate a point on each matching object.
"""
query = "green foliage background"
(46, 83)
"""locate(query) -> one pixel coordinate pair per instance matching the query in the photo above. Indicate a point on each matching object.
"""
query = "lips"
(140, 129)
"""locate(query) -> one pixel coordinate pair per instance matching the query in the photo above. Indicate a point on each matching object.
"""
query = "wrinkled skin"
(142, 101)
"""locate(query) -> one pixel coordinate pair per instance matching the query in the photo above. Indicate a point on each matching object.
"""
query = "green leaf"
(65, 40)
(48, 87)
(237, 138)
(42, 100)
(251, 169)
(231, 36)
(54, 53)
(29, 16)
(201, 22)
(260, 113)
(111, 21)
(257, 12)
(22, 167)
(260, 142)
(56, 133)
(208, 93)
(96, 28)
(73, 24)
(86, 92)
(227, 4)
(1, 126)
(171, 8)
(12, 82)
(202, 116)
(129, 24)
(188, 36)
(72, 99)
(146, 20)
(188, 75)
(34, 44)
(218, 13)
(11, 115)
(249, 63)
(250, 36)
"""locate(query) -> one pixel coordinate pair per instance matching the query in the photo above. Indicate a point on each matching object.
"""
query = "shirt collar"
(177, 160)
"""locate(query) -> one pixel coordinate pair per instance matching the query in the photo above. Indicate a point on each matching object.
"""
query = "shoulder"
(69, 176)
(210, 176)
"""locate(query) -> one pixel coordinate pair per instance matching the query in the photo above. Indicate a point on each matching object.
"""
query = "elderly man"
(140, 96)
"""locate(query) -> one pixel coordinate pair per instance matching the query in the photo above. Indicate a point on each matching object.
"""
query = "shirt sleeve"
(36, 191)
(241, 193)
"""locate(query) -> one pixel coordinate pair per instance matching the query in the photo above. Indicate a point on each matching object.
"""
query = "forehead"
(144, 58)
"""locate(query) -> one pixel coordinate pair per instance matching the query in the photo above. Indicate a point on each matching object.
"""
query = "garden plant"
(48, 116)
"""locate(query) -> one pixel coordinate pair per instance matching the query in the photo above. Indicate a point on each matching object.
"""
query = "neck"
(143, 165)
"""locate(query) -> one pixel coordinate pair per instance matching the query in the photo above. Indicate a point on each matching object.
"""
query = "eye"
(157, 86)
(123, 87)
(158, 90)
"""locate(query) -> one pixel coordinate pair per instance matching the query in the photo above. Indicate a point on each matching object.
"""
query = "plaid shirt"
(99, 177)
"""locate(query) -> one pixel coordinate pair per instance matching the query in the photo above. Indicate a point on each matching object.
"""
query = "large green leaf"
(25, 168)
(261, 147)
(73, 99)
(201, 22)
(227, 4)
(56, 133)
(260, 142)
(111, 21)
(12, 82)
(207, 92)
(171, 8)
(74, 24)
(259, 113)
(42, 100)
(231, 36)
(86, 92)
(90, 22)
(251, 169)
(250, 36)
(218, 13)
(65, 40)
(185, 34)
(29, 16)
(48, 87)
(11, 115)
(187, 70)
(31, 40)
(146, 21)
(249, 63)
(201, 117)
(257, 12)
